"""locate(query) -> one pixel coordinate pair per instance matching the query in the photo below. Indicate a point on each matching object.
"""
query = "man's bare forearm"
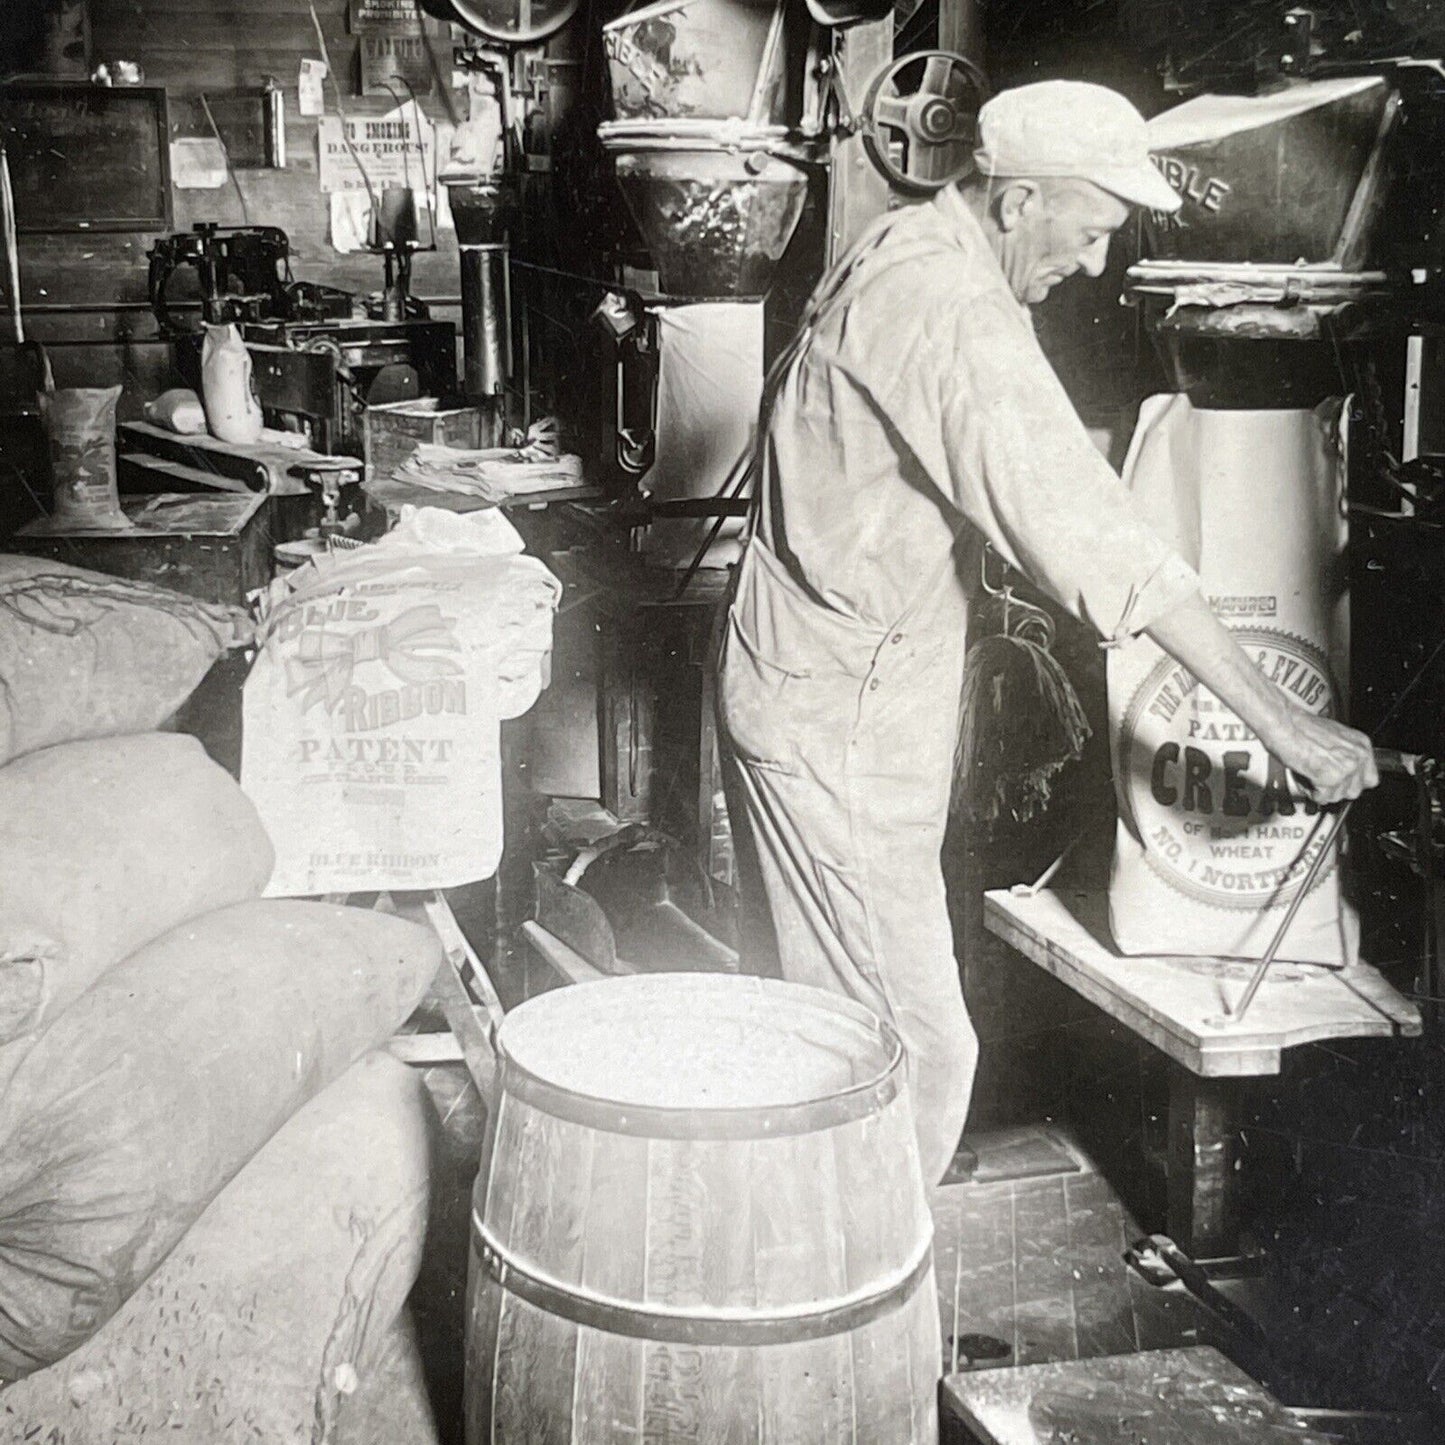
(1336, 760)
(1193, 635)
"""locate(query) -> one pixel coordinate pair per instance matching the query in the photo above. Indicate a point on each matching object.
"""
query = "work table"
(1178, 1005)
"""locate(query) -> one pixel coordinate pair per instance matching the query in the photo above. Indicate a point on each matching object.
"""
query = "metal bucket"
(483, 211)
(716, 204)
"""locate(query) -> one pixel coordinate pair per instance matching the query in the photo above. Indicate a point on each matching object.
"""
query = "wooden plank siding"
(211, 47)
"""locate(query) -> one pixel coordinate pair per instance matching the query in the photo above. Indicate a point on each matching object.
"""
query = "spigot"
(327, 476)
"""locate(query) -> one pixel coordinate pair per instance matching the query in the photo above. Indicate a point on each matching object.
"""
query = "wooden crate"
(215, 547)
(391, 433)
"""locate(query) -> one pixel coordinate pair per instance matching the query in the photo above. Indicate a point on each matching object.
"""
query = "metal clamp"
(724, 1326)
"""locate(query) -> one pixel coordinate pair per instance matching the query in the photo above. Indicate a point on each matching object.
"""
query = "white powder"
(697, 1041)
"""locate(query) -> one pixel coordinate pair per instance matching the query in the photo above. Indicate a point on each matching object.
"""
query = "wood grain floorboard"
(1099, 1232)
(1039, 1265)
(946, 1215)
(986, 1303)
(1044, 1314)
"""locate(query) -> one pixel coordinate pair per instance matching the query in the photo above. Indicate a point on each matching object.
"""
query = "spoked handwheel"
(920, 119)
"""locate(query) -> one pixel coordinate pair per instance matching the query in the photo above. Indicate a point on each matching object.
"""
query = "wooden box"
(215, 547)
(391, 433)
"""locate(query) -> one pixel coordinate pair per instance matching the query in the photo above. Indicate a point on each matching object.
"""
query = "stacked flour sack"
(159, 1021)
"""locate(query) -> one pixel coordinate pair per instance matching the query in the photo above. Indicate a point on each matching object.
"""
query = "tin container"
(391, 433)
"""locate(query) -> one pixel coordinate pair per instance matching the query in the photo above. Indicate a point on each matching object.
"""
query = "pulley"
(919, 117)
(505, 22)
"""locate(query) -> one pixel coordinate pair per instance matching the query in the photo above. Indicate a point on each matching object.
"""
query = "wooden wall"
(105, 332)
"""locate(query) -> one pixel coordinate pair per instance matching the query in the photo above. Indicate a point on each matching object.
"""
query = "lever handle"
(1392, 760)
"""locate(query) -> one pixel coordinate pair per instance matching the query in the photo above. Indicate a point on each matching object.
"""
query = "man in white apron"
(914, 418)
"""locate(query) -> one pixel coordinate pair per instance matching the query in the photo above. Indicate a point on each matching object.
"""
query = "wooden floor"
(1038, 1264)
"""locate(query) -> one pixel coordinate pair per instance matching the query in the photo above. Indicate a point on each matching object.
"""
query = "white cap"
(1070, 128)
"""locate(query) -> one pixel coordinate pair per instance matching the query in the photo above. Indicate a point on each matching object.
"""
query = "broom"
(1021, 720)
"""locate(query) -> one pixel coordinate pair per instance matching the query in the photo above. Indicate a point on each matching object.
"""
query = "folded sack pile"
(493, 474)
(159, 1021)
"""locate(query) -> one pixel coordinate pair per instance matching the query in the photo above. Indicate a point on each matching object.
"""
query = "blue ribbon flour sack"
(1214, 836)
(371, 715)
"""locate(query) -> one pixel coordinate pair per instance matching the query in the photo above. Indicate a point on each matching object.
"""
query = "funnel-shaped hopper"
(716, 207)
(700, 60)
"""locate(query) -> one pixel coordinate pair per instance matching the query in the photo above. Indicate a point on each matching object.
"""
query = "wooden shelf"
(1179, 1004)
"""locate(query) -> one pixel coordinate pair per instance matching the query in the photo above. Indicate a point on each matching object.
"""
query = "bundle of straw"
(1021, 722)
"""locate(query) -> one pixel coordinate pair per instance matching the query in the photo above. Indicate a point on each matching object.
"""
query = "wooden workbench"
(1179, 1006)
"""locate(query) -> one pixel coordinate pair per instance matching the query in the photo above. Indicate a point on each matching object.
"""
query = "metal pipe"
(101, 308)
(1387, 760)
(486, 326)
(960, 29)
(1316, 863)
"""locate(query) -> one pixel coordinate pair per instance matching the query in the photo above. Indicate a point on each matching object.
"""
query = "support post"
(960, 29)
(1202, 1210)
(857, 193)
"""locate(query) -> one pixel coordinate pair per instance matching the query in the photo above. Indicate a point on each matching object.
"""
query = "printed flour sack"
(1213, 837)
(371, 717)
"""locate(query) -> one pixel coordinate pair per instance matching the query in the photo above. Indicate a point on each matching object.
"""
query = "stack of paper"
(494, 474)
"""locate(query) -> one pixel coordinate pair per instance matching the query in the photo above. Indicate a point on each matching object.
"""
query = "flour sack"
(1214, 836)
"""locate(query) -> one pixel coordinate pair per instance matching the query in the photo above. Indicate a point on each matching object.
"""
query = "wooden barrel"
(700, 1217)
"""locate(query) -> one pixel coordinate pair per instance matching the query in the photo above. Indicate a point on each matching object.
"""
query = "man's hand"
(1332, 761)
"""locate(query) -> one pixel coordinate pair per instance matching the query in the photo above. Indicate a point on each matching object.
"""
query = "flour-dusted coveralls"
(915, 416)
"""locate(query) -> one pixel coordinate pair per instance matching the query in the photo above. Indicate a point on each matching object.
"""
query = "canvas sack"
(1213, 836)
(125, 1117)
(105, 845)
(85, 655)
(371, 717)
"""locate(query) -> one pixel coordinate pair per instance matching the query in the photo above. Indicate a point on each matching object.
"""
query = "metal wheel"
(508, 22)
(919, 119)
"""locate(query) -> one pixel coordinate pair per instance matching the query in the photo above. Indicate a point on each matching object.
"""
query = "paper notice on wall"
(371, 715)
(351, 217)
(198, 164)
(395, 149)
(392, 17)
(350, 221)
(392, 64)
(311, 84)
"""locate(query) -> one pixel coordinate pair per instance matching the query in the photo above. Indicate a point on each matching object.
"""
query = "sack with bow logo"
(371, 716)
